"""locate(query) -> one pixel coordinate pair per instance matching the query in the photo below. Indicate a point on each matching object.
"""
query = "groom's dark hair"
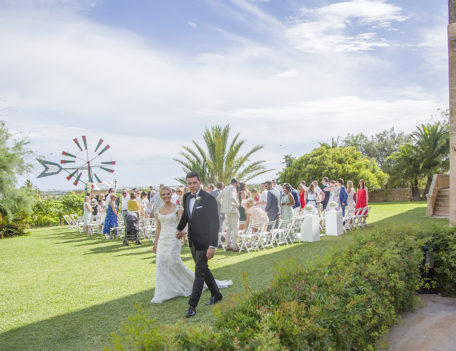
(193, 175)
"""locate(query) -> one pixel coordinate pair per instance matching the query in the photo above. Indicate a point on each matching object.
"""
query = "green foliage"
(344, 303)
(345, 162)
(72, 203)
(442, 243)
(222, 160)
(46, 212)
(378, 146)
(8, 230)
(13, 156)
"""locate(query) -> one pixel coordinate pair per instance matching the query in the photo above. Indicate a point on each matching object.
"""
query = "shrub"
(442, 243)
(8, 230)
(346, 302)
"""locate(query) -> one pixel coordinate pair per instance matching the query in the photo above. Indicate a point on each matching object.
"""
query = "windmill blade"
(67, 161)
(64, 153)
(84, 140)
(96, 177)
(77, 179)
(108, 163)
(104, 149)
(107, 169)
(77, 143)
(71, 175)
(50, 168)
(99, 144)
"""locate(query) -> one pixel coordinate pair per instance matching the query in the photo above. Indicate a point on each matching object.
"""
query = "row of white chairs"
(76, 223)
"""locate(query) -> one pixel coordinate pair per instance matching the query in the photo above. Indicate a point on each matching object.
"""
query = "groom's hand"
(210, 253)
(179, 234)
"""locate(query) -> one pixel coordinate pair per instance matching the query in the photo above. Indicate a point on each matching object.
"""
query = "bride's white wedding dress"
(172, 277)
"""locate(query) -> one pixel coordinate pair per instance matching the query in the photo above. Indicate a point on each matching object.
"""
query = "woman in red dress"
(362, 197)
(302, 194)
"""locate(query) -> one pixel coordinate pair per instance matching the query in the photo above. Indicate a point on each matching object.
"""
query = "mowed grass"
(65, 291)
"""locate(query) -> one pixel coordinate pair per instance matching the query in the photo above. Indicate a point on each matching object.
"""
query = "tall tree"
(13, 156)
(378, 146)
(344, 162)
(221, 159)
(404, 165)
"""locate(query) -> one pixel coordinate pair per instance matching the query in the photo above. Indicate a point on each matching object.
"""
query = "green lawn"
(65, 291)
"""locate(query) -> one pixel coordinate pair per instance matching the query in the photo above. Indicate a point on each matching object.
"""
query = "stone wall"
(392, 195)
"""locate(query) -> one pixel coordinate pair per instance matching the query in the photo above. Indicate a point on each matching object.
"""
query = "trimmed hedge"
(346, 302)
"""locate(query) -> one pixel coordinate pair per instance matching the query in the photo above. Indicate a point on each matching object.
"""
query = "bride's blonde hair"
(165, 188)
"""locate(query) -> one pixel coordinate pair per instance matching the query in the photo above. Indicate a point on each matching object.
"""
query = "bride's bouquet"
(332, 205)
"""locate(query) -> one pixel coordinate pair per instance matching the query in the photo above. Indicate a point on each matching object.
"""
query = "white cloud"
(328, 28)
(192, 24)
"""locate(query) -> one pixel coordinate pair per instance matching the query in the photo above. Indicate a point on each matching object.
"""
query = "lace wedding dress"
(172, 277)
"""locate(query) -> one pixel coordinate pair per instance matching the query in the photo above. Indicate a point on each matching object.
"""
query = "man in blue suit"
(343, 196)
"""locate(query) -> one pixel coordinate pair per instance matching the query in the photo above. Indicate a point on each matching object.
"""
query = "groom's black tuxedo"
(203, 222)
(203, 227)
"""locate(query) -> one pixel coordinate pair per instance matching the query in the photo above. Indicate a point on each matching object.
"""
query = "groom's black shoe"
(191, 312)
(214, 300)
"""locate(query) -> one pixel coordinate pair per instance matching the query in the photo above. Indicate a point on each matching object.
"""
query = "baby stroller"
(132, 228)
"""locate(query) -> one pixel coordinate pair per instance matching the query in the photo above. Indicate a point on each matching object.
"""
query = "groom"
(201, 215)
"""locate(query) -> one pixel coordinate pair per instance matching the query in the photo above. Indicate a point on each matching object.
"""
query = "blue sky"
(148, 76)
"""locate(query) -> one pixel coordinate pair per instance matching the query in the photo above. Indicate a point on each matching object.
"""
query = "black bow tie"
(192, 196)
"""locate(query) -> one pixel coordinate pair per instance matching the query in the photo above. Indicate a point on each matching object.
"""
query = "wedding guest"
(254, 213)
(287, 202)
(216, 193)
(108, 196)
(180, 193)
(132, 220)
(174, 196)
(101, 212)
(297, 204)
(275, 185)
(263, 196)
(157, 202)
(229, 206)
(111, 217)
(242, 196)
(350, 197)
(150, 193)
(311, 197)
(87, 214)
(334, 191)
(343, 195)
(302, 195)
(273, 202)
(325, 199)
(143, 203)
(255, 196)
(125, 199)
(362, 196)
(320, 195)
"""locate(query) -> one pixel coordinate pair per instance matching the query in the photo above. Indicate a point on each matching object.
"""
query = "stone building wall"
(392, 195)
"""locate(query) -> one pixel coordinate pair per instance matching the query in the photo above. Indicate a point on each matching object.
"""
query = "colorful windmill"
(82, 164)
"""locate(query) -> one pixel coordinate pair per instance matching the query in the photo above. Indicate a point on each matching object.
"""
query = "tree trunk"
(415, 191)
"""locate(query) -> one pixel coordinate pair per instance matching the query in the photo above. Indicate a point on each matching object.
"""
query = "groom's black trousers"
(202, 275)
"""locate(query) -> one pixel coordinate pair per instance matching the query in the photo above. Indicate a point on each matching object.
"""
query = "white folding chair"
(250, 238)
(282, 232)
(265, 235)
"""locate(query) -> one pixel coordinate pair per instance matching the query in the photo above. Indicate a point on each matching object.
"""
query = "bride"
(172, 277)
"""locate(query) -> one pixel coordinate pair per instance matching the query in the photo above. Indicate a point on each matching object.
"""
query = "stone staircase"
(442, 203)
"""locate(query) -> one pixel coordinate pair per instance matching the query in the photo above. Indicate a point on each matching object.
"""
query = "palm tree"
(433, 144)
(222, 160)
(405, 165)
